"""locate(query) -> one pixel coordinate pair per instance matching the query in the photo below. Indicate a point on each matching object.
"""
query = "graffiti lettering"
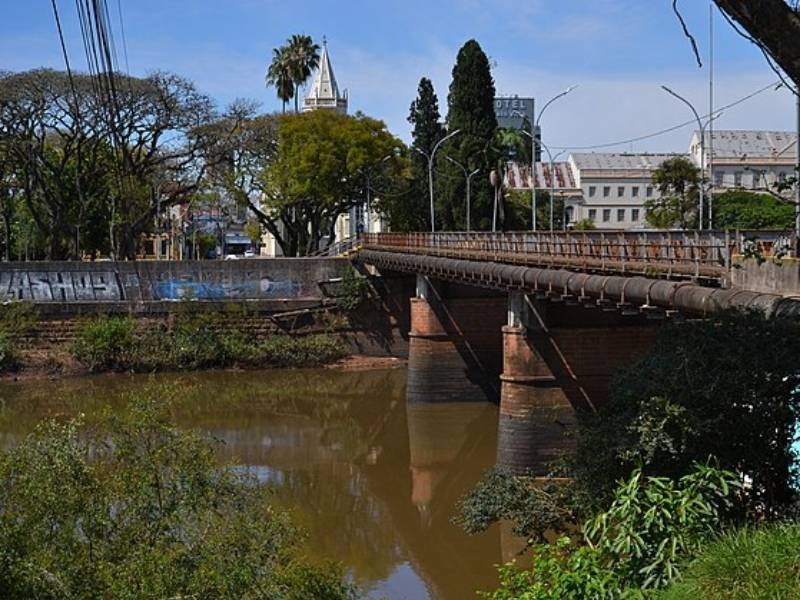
(59, 286)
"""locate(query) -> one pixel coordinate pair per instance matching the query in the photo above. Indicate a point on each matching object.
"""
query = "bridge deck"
(674, 255)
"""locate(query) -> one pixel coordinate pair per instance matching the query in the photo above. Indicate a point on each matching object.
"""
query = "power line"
(774, 85)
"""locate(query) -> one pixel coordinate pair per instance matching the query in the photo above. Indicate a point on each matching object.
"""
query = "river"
(373, 480)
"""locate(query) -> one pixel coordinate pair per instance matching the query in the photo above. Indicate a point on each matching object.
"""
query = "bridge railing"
(668, 253)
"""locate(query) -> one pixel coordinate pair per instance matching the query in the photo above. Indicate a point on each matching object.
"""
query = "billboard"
(511, 111)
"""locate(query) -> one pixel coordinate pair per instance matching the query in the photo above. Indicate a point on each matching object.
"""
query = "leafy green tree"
(724, 387)
(678, 183)
(279, 75)
(471, 111)
(132, 507)
(739, 209)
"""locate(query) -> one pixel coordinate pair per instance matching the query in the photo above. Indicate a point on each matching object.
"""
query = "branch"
(687, 33)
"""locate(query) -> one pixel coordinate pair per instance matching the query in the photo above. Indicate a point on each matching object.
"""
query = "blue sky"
(618, 52)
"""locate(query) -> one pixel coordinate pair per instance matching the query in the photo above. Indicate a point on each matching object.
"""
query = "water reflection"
(372, 480)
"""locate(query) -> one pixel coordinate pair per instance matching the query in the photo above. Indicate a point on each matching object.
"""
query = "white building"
(615, 187)
(742, 159)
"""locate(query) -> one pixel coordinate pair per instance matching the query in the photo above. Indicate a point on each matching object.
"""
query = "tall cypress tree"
(471, 110)
(428, 130)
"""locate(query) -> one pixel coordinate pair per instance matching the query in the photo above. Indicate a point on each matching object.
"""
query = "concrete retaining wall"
(147, 281)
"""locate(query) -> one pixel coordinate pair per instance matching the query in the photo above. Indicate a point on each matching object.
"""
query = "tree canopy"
(678, 183)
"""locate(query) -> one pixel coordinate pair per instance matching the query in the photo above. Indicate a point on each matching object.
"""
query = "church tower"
(324, 91)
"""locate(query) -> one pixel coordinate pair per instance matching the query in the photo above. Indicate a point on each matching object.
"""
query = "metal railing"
(706, 254)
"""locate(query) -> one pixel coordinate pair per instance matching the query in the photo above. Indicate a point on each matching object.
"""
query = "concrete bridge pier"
(454, 343)
(535, 413)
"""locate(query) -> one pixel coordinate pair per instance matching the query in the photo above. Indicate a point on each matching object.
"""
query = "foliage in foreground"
(746, 564)
(16, 320)
(631, 549)
(135, 508)
(722, 387)
(196, 341)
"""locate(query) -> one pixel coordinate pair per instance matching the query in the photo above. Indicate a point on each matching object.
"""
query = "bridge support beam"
(535, 413)
(450, 347)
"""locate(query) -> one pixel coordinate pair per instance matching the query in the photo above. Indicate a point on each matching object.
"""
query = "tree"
(739, 209)
(298, 172)
(279, 74)
(303, 59)
(678, 181)
(471, 111)
(132, 507)
(409, 211)
(725, 387)
(773, 25)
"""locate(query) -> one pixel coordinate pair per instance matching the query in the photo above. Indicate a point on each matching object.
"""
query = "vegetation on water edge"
(195, 341)
(132, 507)
(16, 320)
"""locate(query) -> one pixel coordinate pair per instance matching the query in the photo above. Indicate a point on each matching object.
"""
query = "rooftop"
(735, 143)
(606, 161)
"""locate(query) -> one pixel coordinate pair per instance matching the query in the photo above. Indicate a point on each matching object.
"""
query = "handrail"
(706, 254)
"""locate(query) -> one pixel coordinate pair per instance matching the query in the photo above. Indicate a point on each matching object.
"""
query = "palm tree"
(304, 59)
(280, 74)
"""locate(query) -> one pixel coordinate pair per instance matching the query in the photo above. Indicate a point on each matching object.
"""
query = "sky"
(618, 53)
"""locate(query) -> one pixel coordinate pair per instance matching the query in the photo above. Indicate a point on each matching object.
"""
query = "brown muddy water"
(374, 481)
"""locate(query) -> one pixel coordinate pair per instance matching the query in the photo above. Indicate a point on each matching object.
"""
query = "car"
(232, 257)
(249, 254)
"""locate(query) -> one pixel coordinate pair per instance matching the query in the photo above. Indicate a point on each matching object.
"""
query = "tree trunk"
(774, 24)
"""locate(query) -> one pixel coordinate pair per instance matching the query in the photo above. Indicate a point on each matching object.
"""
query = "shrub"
(8, 359)
(133, 507)
(746, 564)
(630, 549)
(353, 289)
(106, 343)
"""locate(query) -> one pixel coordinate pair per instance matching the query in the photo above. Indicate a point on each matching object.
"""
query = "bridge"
(541, 321)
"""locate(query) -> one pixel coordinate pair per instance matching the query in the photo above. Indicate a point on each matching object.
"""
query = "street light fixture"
(553, 184)
(430, 158)
(469, 177)
(702, 130)
(532, 135)
(367, 173)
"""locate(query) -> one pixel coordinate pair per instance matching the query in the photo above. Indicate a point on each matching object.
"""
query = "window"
(593, 214)
(592, 190)
(620, 215)
(737, 178)
(620, 191)
(635, 191)
(649, 191)
(718, 178)
(782, 177)
(606, 215)
(606, 191)
(635, 215)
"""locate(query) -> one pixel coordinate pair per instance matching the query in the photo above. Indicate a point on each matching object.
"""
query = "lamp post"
(552, 160)
(701, 127)
(468, 177)
(430, 169)
(532, 135)
(494, 180)
(367, 173)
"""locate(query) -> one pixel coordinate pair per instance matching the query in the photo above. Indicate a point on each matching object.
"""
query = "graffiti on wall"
(187, 288)
(59, 286)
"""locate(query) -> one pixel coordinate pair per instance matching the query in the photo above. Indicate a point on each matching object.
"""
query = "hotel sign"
(511, 111)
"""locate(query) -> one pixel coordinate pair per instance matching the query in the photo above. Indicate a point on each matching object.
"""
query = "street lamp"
(367, 173)
(532, 135)
(702, 129)
(430, 169)
(553, 183)
(469, 177)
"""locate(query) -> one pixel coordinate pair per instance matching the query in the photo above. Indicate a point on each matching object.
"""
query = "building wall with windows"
(746, 159)
(615, 187)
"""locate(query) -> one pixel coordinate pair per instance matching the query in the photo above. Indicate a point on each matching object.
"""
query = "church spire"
(324, 90)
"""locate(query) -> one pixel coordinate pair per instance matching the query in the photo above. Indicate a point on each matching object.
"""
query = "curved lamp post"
(430, 158)
(532, 135)
(468, 177)
(701, 127)
(367, 173)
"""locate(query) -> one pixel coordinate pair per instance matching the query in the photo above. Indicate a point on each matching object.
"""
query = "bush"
(708, 388)
(106, 344)
(353, 289)
(8, 359)
(630, 549)
(196, 341)
(746, 564)
(133, 507)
